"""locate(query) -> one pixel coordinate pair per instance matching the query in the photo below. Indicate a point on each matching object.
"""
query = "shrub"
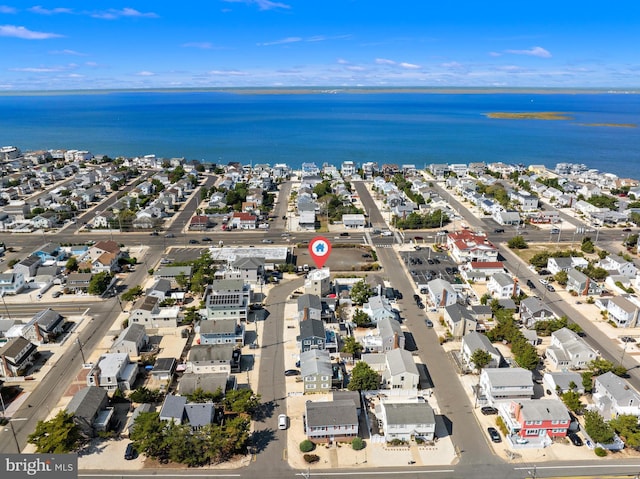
(307, 446)
(311, 458)
(502, 426)
(600, 451)
(357, 444)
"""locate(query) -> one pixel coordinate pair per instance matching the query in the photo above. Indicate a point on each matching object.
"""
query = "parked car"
(206, 239)
(169, 235)
(130, 452)
(627, 230)
(291, 372)
(627, 339)
(575, 439)
(551, 289)
(488, 410)
(428, 323)
(267, 240)
(193, 241)
(494, 434)
(56, 294)
(283, 421)
(344, 234)
(530, 284)
(498, 230)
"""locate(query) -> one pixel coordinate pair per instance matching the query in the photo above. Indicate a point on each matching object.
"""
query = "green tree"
(357, 444)
(56, 436)
(587, 381)
(361, 319)
(517, 242)
(571, 399)
(71, 264)
(99, 283)
(145, 395)
(241, 401)
(199, 395)
(363, 378)
(360, 292)
(132, 293)
(587, 245)
(148, 434)
(627, 427)
(597, 428)
(525, 354)
(480, 359)
(350, 345)
(561, 277)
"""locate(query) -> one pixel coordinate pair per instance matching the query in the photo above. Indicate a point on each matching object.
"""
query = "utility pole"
(81, 351)
(533, 473)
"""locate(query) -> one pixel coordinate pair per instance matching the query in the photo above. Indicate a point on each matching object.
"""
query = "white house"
(441, 293)
(401, 371)
(505, 384)
(620, 310)
(503, 286)
(568, 350)
(406, 420)
(614, 396)
(474, 341)
(618, 265)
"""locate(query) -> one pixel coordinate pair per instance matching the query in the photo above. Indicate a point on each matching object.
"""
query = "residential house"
(250, 269)
(131, 340)
(533, 310)
(105, 246)
(441, 293)
(317, 282)
(146, 310)
(113, 371)
(401, 371)
(459, 320)
(227, 299)
(539, 419)
(331, 421)
(614, 396)
(173, 274)
(11, 283)
(377, 308)
(16, 357)
(316, 371)
(173, 409)
(561, 382)
(89, 407)
(312, 335)
(506, 218)
(160, 289)
(213, 358)
(207, 382)
(619, 266)
(354, 221)
(28, 266)
(474, 341)
(580, 283)
(391, 335)
(78, 282)
(309, 307)
(620, 310)
(505, 384)
(244, 221)
(163, 369)
(406, 420)
(555, 265)
(221, 331)
(569, 351)
(50, 252)
(480, 271)
(503, 286)
(465, 246)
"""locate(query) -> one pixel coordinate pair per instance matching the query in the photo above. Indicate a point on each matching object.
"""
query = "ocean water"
(418, 128)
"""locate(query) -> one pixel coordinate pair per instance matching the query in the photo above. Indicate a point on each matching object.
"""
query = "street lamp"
(5, 305)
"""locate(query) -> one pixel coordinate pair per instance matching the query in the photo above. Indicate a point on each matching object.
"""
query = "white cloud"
(113, 14)
(409, 66)
(24, 33)
(68, 52)
(262, 4)
(145, 73)
(356, 68)
(495, 54)
(282, 41)
(384, 61)
(533, 51)
(49, 11)
(7, 9)
(227, 72)
(38, 69)
(342, 61)
(201, 45)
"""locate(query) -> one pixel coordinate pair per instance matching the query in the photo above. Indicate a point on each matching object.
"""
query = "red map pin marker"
(319, 249)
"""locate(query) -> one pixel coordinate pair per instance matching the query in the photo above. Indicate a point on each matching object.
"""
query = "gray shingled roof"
(86, 402)
(315, 362)
(330, 413)
(409, 413)
(211, 352)
(310, 301)
(199, 414)
(401, 361)
(312, 328)
(173, 407)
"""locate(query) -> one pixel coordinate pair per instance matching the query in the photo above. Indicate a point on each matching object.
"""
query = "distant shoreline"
(337, 90)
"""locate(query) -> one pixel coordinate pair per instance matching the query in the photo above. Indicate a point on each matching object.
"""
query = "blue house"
(50, 252)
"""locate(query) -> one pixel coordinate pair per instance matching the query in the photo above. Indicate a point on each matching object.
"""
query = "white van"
(283, 421)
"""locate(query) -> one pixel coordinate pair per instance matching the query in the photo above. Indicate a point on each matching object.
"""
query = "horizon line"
(332, 90)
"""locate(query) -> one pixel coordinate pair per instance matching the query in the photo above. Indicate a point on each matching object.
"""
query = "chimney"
(515, 287)
(305, 314)
(396, 342)
(587, 283)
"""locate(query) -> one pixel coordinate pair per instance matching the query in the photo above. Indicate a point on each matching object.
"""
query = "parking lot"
(425, 265)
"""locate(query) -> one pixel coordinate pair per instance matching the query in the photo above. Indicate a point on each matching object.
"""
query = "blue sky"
(71, 44)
